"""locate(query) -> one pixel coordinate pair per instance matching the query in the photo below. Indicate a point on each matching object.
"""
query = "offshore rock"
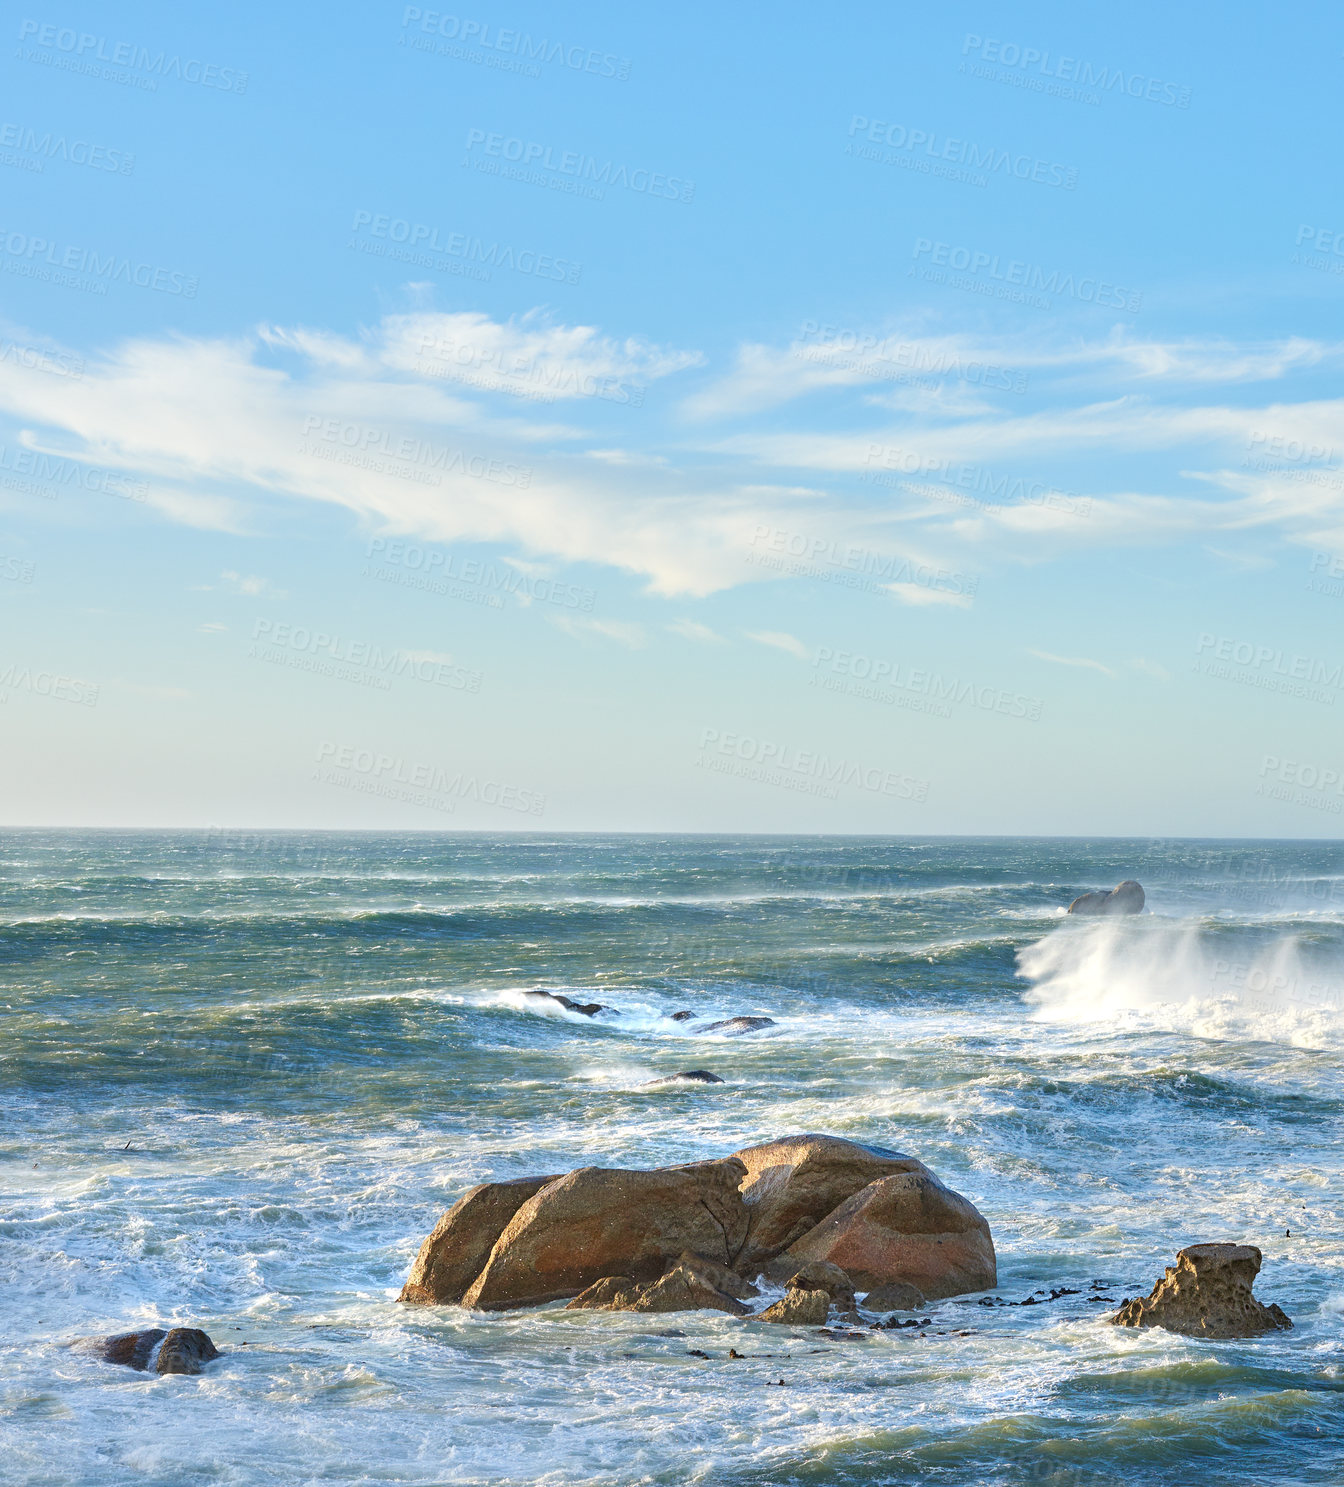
(1207, 1293)
(791, 1185)
(909, 1228)
(601, 1221)
(588, 1009)
(457, 1248)
(812, 1212)
(1124, 898)
(687, 1076)
(177, 1350)
(732, 1026)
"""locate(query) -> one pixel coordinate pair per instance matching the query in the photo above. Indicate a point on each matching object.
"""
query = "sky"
(903, 420)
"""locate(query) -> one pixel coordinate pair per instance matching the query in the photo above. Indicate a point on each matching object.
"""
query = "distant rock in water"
(687, 1076)
(1207, 1293)
(588, 1009)
(1125, 898)
(177, 1350)
(734, 1025)
(683, 1016)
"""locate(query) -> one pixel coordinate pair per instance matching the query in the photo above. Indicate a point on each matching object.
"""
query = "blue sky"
(908, 421)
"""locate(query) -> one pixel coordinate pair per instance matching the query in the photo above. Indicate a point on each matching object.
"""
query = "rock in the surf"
(1124, 898)
(588, 1009)
(683, 1016)
(799, 1309)
(687, 1076)
(600, 1221)
(174, 1350)
(836, 1213)
(897, 1295)
(733, 1025)
(907, 1227)
(691, 1284)
(1207, 1293)
(792, 1184)
(458, 1246)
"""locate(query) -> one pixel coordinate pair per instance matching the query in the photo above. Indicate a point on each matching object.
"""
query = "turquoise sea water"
(243, 1075)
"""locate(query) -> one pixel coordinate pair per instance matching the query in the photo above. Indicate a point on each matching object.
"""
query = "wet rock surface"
(1124, 898)
(1207, 1293)
(171, 1350)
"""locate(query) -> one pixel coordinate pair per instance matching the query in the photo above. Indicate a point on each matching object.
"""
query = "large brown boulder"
(1124, 898)
(791, 1185)
(460, 1243)
(600, 1221)
(907, 1227)
(1206, 1293)
(177, 1350)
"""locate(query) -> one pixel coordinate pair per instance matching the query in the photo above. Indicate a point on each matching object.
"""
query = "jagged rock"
(460, 1243)
(682, 1016)
(791, 1185)
(687, 1076)
(602, 1221)
(734, 1025)
(1125, 898)
(895, 1296)
(1207, 1293)
(820, 1275)
(799, 1309)
(611, 1293)
(908, 1227)
(692, 1284)
(177, 1350)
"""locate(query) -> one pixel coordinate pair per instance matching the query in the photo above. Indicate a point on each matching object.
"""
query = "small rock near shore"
(799, 1308)
(895, 1296)
(1207, 1293)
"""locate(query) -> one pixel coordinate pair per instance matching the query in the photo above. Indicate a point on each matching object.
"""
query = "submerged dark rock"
(734, 1025)
(682, 1016)
(687, 1076)
(1124, 898)
(1207, 1293)
(179, 1349)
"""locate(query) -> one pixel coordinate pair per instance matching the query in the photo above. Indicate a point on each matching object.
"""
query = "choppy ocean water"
(242, 1075)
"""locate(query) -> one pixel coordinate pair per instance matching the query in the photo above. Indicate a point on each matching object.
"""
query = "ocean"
(244, 1073)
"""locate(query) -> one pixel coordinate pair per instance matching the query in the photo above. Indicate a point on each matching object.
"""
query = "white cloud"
(694, 630)
(1083, 661)
(923, 595)
(781, 640)
(1151, 668)
(629, 635)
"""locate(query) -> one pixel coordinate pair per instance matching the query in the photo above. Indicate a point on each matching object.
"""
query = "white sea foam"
(1186, 973)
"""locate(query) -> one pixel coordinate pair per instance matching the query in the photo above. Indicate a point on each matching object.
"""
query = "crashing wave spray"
(1208, 978)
